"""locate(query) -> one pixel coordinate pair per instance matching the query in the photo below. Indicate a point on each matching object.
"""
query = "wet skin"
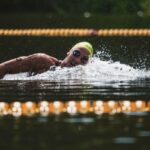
(71, 60)
(40, 62)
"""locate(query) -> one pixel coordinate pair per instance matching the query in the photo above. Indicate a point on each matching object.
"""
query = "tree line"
(77, 6)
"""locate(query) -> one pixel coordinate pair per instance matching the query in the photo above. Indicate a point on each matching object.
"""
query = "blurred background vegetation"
(64, 7)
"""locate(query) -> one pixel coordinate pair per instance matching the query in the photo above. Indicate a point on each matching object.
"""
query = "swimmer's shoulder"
(57, 64)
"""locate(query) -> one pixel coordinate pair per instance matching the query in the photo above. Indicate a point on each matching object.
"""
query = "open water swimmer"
(40, 62)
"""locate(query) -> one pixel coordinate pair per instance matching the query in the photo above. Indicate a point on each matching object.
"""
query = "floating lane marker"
(74, 32)
(45, 108)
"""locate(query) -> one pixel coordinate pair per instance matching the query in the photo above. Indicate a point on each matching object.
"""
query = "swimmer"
(38, 63)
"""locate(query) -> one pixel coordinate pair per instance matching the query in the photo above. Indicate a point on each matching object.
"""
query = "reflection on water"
(72, 90)
(120, 131)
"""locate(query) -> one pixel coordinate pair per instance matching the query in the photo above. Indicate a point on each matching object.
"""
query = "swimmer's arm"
(36, 63)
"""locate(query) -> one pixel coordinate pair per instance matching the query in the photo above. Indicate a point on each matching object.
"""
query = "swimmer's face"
(76, 56)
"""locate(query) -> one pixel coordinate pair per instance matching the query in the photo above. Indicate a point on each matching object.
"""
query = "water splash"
(96, 70)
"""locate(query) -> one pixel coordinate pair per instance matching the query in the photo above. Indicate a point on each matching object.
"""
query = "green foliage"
(78, 6)
(146, 6)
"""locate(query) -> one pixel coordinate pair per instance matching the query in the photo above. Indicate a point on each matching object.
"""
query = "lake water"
(118, 71)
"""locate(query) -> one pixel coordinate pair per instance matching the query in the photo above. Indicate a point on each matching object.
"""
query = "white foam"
(95, 70)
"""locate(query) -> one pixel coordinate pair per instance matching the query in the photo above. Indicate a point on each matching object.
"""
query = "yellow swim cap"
(85, 45)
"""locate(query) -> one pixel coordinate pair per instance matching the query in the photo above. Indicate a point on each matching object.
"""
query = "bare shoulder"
(43, 57)
(40, 62)
(37, 63)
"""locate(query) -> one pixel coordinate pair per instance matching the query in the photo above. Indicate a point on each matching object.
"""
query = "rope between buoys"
(74, 32)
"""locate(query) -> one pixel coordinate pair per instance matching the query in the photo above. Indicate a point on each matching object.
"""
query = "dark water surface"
(88, 131)
(121, 131)
(47, 90)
